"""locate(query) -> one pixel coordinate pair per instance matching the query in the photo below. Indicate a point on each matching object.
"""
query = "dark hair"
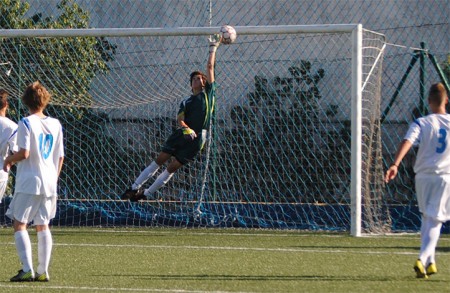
(3, 98)
(195, 73)
(437, 94)
(36, 96)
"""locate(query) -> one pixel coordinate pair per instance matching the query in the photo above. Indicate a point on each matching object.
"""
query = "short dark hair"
(36, 96)
(437, 94)
(3, 98)
(195, 73)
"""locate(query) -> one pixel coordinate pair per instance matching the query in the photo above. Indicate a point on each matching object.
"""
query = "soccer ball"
(228, 34)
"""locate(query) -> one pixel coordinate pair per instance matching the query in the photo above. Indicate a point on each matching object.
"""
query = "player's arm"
(60, 164)
(22, 154)
(188, 133)
(403, 149)
(214, 42)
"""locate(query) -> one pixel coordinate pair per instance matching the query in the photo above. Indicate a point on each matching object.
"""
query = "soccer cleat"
(42, 278)
(23, 277)
(133, 195)
(138, 195)
(420, 270)
(127, 194)
(431, 269)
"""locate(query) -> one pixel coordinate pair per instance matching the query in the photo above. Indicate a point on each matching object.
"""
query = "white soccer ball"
(228, 34)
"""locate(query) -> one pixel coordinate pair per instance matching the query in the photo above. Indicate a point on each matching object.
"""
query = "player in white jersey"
(39, 161)
(432, 168)
(8, 130)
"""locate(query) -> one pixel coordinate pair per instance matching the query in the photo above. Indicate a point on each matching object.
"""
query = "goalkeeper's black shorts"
(184, 150)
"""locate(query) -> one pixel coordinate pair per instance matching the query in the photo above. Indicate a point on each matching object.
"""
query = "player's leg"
(183, 154)
(164, 177)
(150, 170)
(19, 210)
(430, 232)
(136, 193)
(46, 212)
(23, 247)
(2, 189)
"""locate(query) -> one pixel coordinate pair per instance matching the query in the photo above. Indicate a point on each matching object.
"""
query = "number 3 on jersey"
(442, 141)
(45, 144)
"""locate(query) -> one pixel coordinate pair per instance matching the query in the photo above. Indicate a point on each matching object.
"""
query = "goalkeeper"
(432, 168)
(186, 142)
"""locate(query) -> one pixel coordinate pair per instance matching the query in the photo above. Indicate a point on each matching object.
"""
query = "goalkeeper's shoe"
(23, 277)
(42, 278)
(130, 194)
(420, 270)
(134, 195)
(431, 269)
(139, 195)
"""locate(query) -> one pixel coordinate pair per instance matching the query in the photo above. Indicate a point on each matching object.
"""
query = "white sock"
(45, 244)
(23, 246)
(162, 179)
(145, 175)
(430, 232)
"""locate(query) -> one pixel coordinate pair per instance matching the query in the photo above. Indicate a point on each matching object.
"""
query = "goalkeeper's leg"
(161, 180)
(164, 177)
(145, 175)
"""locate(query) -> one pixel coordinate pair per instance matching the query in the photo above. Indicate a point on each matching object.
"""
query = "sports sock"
(430, 232)
(23, 246)
(162, 179)
(45, 244)
(145, 175)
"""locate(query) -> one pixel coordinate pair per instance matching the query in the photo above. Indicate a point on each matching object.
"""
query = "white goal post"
(358, 77)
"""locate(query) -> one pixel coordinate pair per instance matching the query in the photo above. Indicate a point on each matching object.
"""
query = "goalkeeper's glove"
(214, 42)
(189, 134)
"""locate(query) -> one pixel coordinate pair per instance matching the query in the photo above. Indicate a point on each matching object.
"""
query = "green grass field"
(226, 260)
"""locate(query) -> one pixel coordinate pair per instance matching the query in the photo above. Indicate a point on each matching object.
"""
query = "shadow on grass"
(366, 248)
(202, 277)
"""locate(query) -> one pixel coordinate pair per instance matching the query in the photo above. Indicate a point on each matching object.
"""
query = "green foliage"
(446, 67)
(66, 66)
(290, 106)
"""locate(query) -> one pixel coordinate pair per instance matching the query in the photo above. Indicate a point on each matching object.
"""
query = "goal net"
(295, 140)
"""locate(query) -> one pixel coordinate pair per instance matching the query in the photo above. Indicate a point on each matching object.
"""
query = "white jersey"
(432, 134)
(8, 131)
(43, 138)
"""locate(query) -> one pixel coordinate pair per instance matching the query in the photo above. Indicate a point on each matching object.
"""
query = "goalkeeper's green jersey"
(198, 109)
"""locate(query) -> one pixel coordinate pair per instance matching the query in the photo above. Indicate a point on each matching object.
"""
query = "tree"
(66, 66)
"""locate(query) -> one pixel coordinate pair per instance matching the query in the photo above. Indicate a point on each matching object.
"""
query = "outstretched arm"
(214, 42)
(403, 149)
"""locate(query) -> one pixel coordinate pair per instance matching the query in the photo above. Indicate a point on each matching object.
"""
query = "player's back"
(8, 129)
(43, 138)
(433, 156)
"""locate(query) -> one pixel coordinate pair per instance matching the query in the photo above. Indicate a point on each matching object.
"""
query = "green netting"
(280, 155)
(280, 146)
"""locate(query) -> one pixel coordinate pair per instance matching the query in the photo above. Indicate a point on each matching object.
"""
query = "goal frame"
(356, 78)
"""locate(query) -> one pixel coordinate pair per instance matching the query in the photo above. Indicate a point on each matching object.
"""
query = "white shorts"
(27, 208)
(433, 196)
(2, 189)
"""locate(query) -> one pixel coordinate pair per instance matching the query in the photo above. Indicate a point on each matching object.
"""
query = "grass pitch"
(225, 260)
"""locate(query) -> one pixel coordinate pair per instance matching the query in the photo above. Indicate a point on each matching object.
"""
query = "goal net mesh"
(280, 149)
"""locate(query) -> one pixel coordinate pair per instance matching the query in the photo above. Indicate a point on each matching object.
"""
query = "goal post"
(296, 138)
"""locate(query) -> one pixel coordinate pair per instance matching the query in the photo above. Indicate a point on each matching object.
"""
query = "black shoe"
(128, 194)
(23, 277)
(133, 195)
(138, 195)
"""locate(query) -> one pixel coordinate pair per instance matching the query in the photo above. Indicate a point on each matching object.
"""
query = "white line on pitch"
(192, 247)
(85, 288)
